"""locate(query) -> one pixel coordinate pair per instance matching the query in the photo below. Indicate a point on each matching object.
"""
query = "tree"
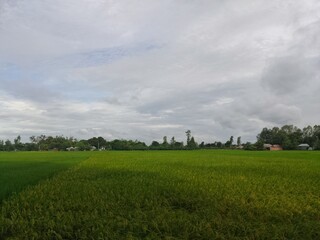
(277, 136)
(98, 142)
(188, 133)
(288, 129)
(154, 145)
(41, 142)
(192, 144)
(265, 136)
(165, 140)
(83, 145)
(1, 145)
(178, 145)
(8, 145)
(30, 147)
(165, 144)
(258, 145)
(172, 141)
(17, 140)
(249, 146)
(17, 143)
(33, 139)
(239, 141)
(229, 142)
(309, 135)
(219, 144)
(119, 145)
(102, 143)
(316, 145)
(288, 136)
(286, 144)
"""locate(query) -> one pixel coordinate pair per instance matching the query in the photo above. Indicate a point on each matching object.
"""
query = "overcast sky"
(142, 69)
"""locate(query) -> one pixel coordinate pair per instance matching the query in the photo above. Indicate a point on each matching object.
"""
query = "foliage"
(127, 145)
(192, 144)
(250, 146)
(239, 141)
(229, 142)
(289, 136)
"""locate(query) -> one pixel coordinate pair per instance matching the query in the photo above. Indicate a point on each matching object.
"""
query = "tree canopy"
(288, 136)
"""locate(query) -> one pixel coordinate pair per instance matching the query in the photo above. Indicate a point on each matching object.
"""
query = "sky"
(142, 70)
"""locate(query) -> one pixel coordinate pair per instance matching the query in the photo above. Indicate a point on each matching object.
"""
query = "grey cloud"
(296, 68)
(26, 89)
(280, 114)
(289, 74)
(132, 69)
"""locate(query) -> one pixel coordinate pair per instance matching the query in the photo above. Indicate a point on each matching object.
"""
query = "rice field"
(166, 195)
(19, 170)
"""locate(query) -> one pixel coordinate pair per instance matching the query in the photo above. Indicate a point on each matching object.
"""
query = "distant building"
(72, 149)
(304, 146)
(276, 148)
(267, 146)
(272, 147)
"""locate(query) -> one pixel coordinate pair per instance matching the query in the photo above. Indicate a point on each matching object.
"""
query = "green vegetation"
(21, 169)
(173, 195)
(288, 136)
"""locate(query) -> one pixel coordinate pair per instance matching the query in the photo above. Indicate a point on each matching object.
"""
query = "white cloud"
(144, 69)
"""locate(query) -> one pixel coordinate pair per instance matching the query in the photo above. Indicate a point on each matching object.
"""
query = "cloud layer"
(145, 69)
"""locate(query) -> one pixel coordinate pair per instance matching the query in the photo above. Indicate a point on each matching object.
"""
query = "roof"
(304, 145)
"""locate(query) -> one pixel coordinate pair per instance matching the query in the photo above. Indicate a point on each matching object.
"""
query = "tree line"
(288, 136)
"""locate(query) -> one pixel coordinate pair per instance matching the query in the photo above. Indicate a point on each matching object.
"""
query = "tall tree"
(154, 145)
(172, 141)
(165, 140)
(239, 141)
(17, 143)
(188, 133)
(229, 142)
(8, 145)
(192, 144)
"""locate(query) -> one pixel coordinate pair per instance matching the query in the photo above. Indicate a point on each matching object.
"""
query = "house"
(72, 149)
(267, 146)
(303, 146)
(274, 147)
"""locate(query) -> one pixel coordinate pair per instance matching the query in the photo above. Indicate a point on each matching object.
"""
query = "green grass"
(173, 195)
(21, 169)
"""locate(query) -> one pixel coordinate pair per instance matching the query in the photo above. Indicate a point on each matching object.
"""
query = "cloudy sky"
(142, 69)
